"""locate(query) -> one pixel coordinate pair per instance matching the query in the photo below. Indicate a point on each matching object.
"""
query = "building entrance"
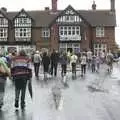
(71, 47)
(69, 50)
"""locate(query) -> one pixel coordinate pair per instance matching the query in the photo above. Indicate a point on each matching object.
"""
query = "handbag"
(4, 71)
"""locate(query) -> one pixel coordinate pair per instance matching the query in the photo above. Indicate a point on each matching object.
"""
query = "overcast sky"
(17, 5)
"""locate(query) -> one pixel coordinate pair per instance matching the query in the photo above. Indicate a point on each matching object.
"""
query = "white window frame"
(3, 22)
(3, 34)
(63, 46)
(23, 34)
(67, 33)
(100, 47)
(23, 21)
(100, 32)
(45, 32)
(66, 30)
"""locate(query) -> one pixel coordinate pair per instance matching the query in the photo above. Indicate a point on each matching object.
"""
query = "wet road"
(94, 97)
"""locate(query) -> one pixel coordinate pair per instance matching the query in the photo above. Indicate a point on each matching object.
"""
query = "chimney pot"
(54, 5)
(47, 9)
(112, 5)
(93, 6)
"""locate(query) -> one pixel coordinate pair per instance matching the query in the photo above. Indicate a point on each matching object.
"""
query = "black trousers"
(83, 68)
(20, 87)
(64, 69)
(36, 68)
(46, 68)
(54, 68)
(74, 68)
(93, 67)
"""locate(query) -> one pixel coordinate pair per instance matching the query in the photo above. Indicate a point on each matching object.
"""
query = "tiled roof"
(101, 17)
(93, 17)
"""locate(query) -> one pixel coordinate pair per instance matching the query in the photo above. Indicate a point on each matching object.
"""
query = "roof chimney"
(112, 5)
(54, 5)
(93, 5)
(47, 9)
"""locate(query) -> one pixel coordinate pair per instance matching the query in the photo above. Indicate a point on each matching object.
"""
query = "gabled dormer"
(69, 15)
(22, 19)
(22, 26)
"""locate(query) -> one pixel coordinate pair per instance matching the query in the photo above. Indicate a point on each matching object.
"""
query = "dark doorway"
(70, 50)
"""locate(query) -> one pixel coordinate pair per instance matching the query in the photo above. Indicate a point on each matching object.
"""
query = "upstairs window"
(99, 31)
(3, 33)
(22, 22)
(69, 31)
(46, 32)
(22, 32)
(3, 22)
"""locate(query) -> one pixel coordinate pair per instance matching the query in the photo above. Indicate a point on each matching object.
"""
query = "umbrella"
(30, 88)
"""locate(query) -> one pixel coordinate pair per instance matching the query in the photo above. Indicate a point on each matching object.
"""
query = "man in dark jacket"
(54, 62)
(46, 62)
(21, 73)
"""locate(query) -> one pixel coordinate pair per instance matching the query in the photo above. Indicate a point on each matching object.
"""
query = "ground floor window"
(99, 47)
(12, 48)
(71, 47)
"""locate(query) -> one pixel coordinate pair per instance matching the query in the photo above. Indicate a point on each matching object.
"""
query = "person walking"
(63, 62)
(4, 72)
(73, 61)
(21, 73)
(83, 64)
(98, 62)
(89, 58)
(36, 61)
(93, 63)
(109, 61)
(46, 63)
(54, 62)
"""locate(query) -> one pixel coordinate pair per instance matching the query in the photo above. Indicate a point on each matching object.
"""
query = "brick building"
(68, 29)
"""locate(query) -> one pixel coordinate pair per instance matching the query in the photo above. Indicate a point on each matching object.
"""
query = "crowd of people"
(17, 67)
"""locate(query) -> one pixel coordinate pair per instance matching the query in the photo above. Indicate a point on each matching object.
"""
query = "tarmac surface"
(96, 96)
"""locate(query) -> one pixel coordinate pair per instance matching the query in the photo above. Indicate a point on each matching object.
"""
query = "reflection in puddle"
(96, 89)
